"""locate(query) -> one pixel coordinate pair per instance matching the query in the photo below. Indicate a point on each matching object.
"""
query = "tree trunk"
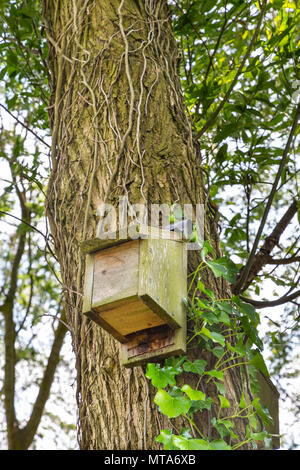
(119, 128)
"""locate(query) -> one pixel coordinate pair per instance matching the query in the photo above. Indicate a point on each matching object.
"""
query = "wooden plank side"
(88, 284)
(153, 345)
(129, 316)
(132, 232)
(163, 279)
(115, 273)
(92, 315)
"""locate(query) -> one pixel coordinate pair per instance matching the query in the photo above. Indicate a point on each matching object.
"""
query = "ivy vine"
(227, 328)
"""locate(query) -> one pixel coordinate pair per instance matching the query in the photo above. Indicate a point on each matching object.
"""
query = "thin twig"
(25, 126)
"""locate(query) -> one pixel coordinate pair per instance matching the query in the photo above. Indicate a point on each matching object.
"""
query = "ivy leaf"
(223, 427)
(166, 438)
(262, 412)
(224, 267)
(218, 338)
(172, 406)
(223, 317)
(193, 394)
(219, 444)
(217, 268)
(220, 386)
(258, 362)
(225, 307)
(175, 362)
(208, 292)
(191, 444)
(224, 402)
(161, 377)
(242, 403)
(218, 351)
(200, 405)
(196, 367)
(206, 248)
(247, 309)
(218, 374)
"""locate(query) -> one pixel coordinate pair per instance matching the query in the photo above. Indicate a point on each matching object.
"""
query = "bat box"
(135, 290)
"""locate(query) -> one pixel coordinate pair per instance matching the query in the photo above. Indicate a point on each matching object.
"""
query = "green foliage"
(243, 147)
(228, 332)
(24, 131)
(23, 68)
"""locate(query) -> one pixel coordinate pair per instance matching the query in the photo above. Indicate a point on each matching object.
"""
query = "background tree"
(235, 61)
(32, 320)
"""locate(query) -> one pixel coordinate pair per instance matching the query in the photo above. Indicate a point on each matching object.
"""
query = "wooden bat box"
(135, 290)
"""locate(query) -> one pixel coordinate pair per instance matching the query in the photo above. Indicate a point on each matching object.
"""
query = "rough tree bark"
(119, 127)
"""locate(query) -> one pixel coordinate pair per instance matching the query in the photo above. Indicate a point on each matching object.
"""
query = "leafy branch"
(240, 285)
(215, 114)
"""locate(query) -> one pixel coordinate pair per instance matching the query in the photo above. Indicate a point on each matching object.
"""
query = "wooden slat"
(117, 238)
(115, 273)
(153, 345)
(88, 284)
(92, 315)
(162, 279)
(129, 316)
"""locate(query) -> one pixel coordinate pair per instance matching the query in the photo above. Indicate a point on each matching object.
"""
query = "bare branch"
(291, 259)
(271, 303)
(263, 256)
(27, 434)
(240, 285)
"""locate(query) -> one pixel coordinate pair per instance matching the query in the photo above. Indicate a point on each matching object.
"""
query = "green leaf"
(219, 444)
(259, 436)
(170, 405)
(217, 337)
(221, 387)
(191, 444)
(166, 438)
(208, 292)
(247, 309)
(193, 394)
(222, 152)
(242, 403)
(200, 405)
(262, 412)
(217, 268)
(224, 402)
(218, 374)
(226, 307)
(175, 362)
(196, 367)
(223, 267)
(161, 377)
(223, 317)
(258, 361)
(223, 426)
(218, 351)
